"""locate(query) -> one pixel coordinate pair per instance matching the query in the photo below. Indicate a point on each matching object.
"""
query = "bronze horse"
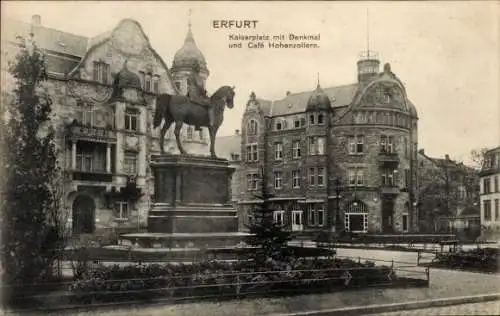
(179, 109)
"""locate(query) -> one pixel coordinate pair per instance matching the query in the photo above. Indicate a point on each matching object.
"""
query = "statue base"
(192, 207)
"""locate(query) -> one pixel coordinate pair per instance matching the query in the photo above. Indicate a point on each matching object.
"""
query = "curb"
(385, 308)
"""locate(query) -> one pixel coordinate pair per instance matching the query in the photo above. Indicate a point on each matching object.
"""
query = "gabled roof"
(46, 38)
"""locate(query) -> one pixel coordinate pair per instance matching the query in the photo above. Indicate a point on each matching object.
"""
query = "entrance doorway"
(387, 215)
(83, 215)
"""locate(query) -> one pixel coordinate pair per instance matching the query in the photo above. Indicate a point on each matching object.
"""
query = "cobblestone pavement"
(486, 308)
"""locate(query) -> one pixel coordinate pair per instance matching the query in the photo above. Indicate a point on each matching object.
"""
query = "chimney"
(36, 20)
(237, 132)
(288, 93)
(447, 157)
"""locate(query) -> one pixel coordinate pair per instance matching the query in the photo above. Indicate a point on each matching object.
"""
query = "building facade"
(447, 194)
(340, 158)
(103, 91)
(490, 194)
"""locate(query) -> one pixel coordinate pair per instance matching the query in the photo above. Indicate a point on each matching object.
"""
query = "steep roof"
(227, 145)
(46, 38)
(297, 102)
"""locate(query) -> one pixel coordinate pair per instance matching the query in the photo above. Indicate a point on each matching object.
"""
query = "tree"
(477, 156)
(30, 208)
(269, 238)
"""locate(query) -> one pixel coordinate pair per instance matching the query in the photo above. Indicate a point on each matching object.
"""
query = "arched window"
(356, 217)
(321, 118)
(253, 127)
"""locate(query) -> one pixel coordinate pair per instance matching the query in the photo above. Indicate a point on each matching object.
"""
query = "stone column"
(108, 158)
(73, 155)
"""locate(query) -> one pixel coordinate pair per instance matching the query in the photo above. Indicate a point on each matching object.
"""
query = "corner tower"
(188, 60)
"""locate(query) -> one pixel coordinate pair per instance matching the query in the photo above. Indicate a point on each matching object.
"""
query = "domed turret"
(127, 79)
(318, 101)
(189, 55)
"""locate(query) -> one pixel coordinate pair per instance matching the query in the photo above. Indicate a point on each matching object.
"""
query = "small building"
(490, 194)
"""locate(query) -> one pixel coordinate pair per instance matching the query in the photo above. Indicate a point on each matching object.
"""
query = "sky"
(446, 53)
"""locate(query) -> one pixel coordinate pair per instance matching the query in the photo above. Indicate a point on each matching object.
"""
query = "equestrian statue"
(196, 109)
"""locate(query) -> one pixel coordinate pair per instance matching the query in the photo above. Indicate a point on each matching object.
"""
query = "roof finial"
(318, 79)
(189, 18)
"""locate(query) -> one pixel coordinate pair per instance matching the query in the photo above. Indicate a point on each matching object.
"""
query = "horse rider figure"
(198, 95)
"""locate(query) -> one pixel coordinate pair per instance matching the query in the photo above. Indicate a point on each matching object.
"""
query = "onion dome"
(189, 55)
(127, 79)
(318, 101)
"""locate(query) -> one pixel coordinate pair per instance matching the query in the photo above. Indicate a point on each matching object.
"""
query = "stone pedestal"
(192, 207)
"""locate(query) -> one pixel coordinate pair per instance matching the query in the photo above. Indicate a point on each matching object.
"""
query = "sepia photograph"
(274, 158)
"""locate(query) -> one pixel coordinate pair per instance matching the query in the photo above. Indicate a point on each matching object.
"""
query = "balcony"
(95, 176)
(387, 189)
(91, 133)
(388, 159)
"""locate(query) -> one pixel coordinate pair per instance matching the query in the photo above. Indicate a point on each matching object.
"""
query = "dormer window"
(101, 72)
(279, 125)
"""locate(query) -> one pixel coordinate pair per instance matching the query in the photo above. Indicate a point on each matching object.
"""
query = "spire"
(318, 86)
(189, 35)
(368, 31)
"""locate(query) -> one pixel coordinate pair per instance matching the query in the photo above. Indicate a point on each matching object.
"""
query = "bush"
(484, 259)
(218, 279)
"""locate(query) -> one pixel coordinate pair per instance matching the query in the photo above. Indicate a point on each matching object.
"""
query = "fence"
(226, 285)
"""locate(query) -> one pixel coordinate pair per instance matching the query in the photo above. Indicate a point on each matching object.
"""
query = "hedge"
(482, 259)
(219, 279)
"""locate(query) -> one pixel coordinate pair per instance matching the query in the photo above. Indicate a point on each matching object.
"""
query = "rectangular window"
(356, 144)
(278, 151)
(406, 147)
(486, 185)
(487, 210)
(312, 176)
(316, 145)
(312, 119)
(383, 143)
(130, 163)
(156, 84)
(356, 177)
(390, 144)
(278, 181)
(121, 210)
(407, 178)
(312, 215)
(321, 176)
(296, 149)
(495, 184)
(252, 153)
(321, 216)
(131, 119)
(101, 72)
(497, 210)
(252, 181)
(86, 116)
(279, 217)
(405, 223)
(360, 140)
(296, 123)
(296, 179)
(297, 220)
(388, 178)
(147, 83)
